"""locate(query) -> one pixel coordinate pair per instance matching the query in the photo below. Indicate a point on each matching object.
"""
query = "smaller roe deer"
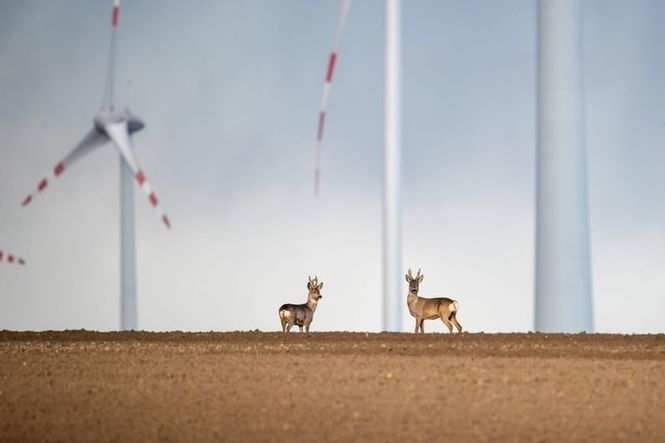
(430, 308)
(301, 315)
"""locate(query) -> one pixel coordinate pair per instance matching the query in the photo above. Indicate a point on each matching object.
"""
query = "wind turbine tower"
(563, 289)
(392, 227)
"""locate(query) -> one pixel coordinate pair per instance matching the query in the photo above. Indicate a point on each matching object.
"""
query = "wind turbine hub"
(105, 118)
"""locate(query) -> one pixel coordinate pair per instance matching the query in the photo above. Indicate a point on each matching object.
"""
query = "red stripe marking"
(140, 177)
(331, 66)
(59, 168)
(42, 185)
(114, 20)
(21, 261)
(166, 221)
(10, 259)
(322, 117)
(153, 198)
(27, 200)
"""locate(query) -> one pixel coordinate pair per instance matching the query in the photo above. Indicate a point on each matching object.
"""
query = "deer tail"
(454, 306)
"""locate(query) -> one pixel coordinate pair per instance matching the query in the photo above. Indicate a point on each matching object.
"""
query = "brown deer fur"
(430, 308)
(301, 315)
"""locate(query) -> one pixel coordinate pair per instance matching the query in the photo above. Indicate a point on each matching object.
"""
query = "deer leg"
(422, 325)
(453, 319)
(300, 328)
(418, 321)
(446, 322)
(289, 325)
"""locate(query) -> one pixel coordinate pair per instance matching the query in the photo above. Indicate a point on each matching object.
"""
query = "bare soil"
(254, 386)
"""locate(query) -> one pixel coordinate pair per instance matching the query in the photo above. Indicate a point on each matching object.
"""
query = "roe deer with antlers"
(430, 308)
(301, 315)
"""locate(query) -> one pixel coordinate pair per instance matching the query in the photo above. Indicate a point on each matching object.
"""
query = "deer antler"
(418, 273)
(410, 276)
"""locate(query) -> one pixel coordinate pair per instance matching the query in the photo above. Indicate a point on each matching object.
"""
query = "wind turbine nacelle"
(104, 118)
(135, 124)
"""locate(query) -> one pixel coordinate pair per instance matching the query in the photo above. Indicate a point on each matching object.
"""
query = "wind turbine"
(392, 231)
(115, 126)
(11, 258)
(563, 300)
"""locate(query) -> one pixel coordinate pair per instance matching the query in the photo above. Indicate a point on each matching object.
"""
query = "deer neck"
(411, 298)
(311, 303)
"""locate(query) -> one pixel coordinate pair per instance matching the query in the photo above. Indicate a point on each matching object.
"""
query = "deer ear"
(309, 285)
(320, 286)
(408, 280)
(420, 279)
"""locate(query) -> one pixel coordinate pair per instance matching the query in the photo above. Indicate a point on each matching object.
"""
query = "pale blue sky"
(230, 93)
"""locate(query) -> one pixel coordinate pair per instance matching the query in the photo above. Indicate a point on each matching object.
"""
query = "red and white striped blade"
(92, 140)
(118, 133)
(11, 258)
(115, 13)
(332, 59)
(110, 73)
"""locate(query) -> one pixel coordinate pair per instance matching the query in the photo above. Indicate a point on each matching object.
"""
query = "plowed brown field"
(253, 386)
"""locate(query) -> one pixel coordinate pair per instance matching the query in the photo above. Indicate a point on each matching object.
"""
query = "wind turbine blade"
(92, 140)
(11, 259)
(118, 133)
(346, 4)
(110, 73)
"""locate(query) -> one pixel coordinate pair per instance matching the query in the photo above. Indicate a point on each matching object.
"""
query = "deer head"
(314, 288)
(414, 282)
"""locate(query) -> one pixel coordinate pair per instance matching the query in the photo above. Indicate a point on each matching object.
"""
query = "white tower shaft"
(392, 238)
(128, 302)
(563, 301)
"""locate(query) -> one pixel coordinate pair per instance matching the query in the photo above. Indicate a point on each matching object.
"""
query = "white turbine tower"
(563, 301)
(392, 238)
(392, 230)
(117, 127)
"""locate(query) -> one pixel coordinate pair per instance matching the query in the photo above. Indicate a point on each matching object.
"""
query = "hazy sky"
(230, 92)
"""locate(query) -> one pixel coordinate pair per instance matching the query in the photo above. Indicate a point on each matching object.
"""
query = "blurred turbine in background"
(117, 127)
